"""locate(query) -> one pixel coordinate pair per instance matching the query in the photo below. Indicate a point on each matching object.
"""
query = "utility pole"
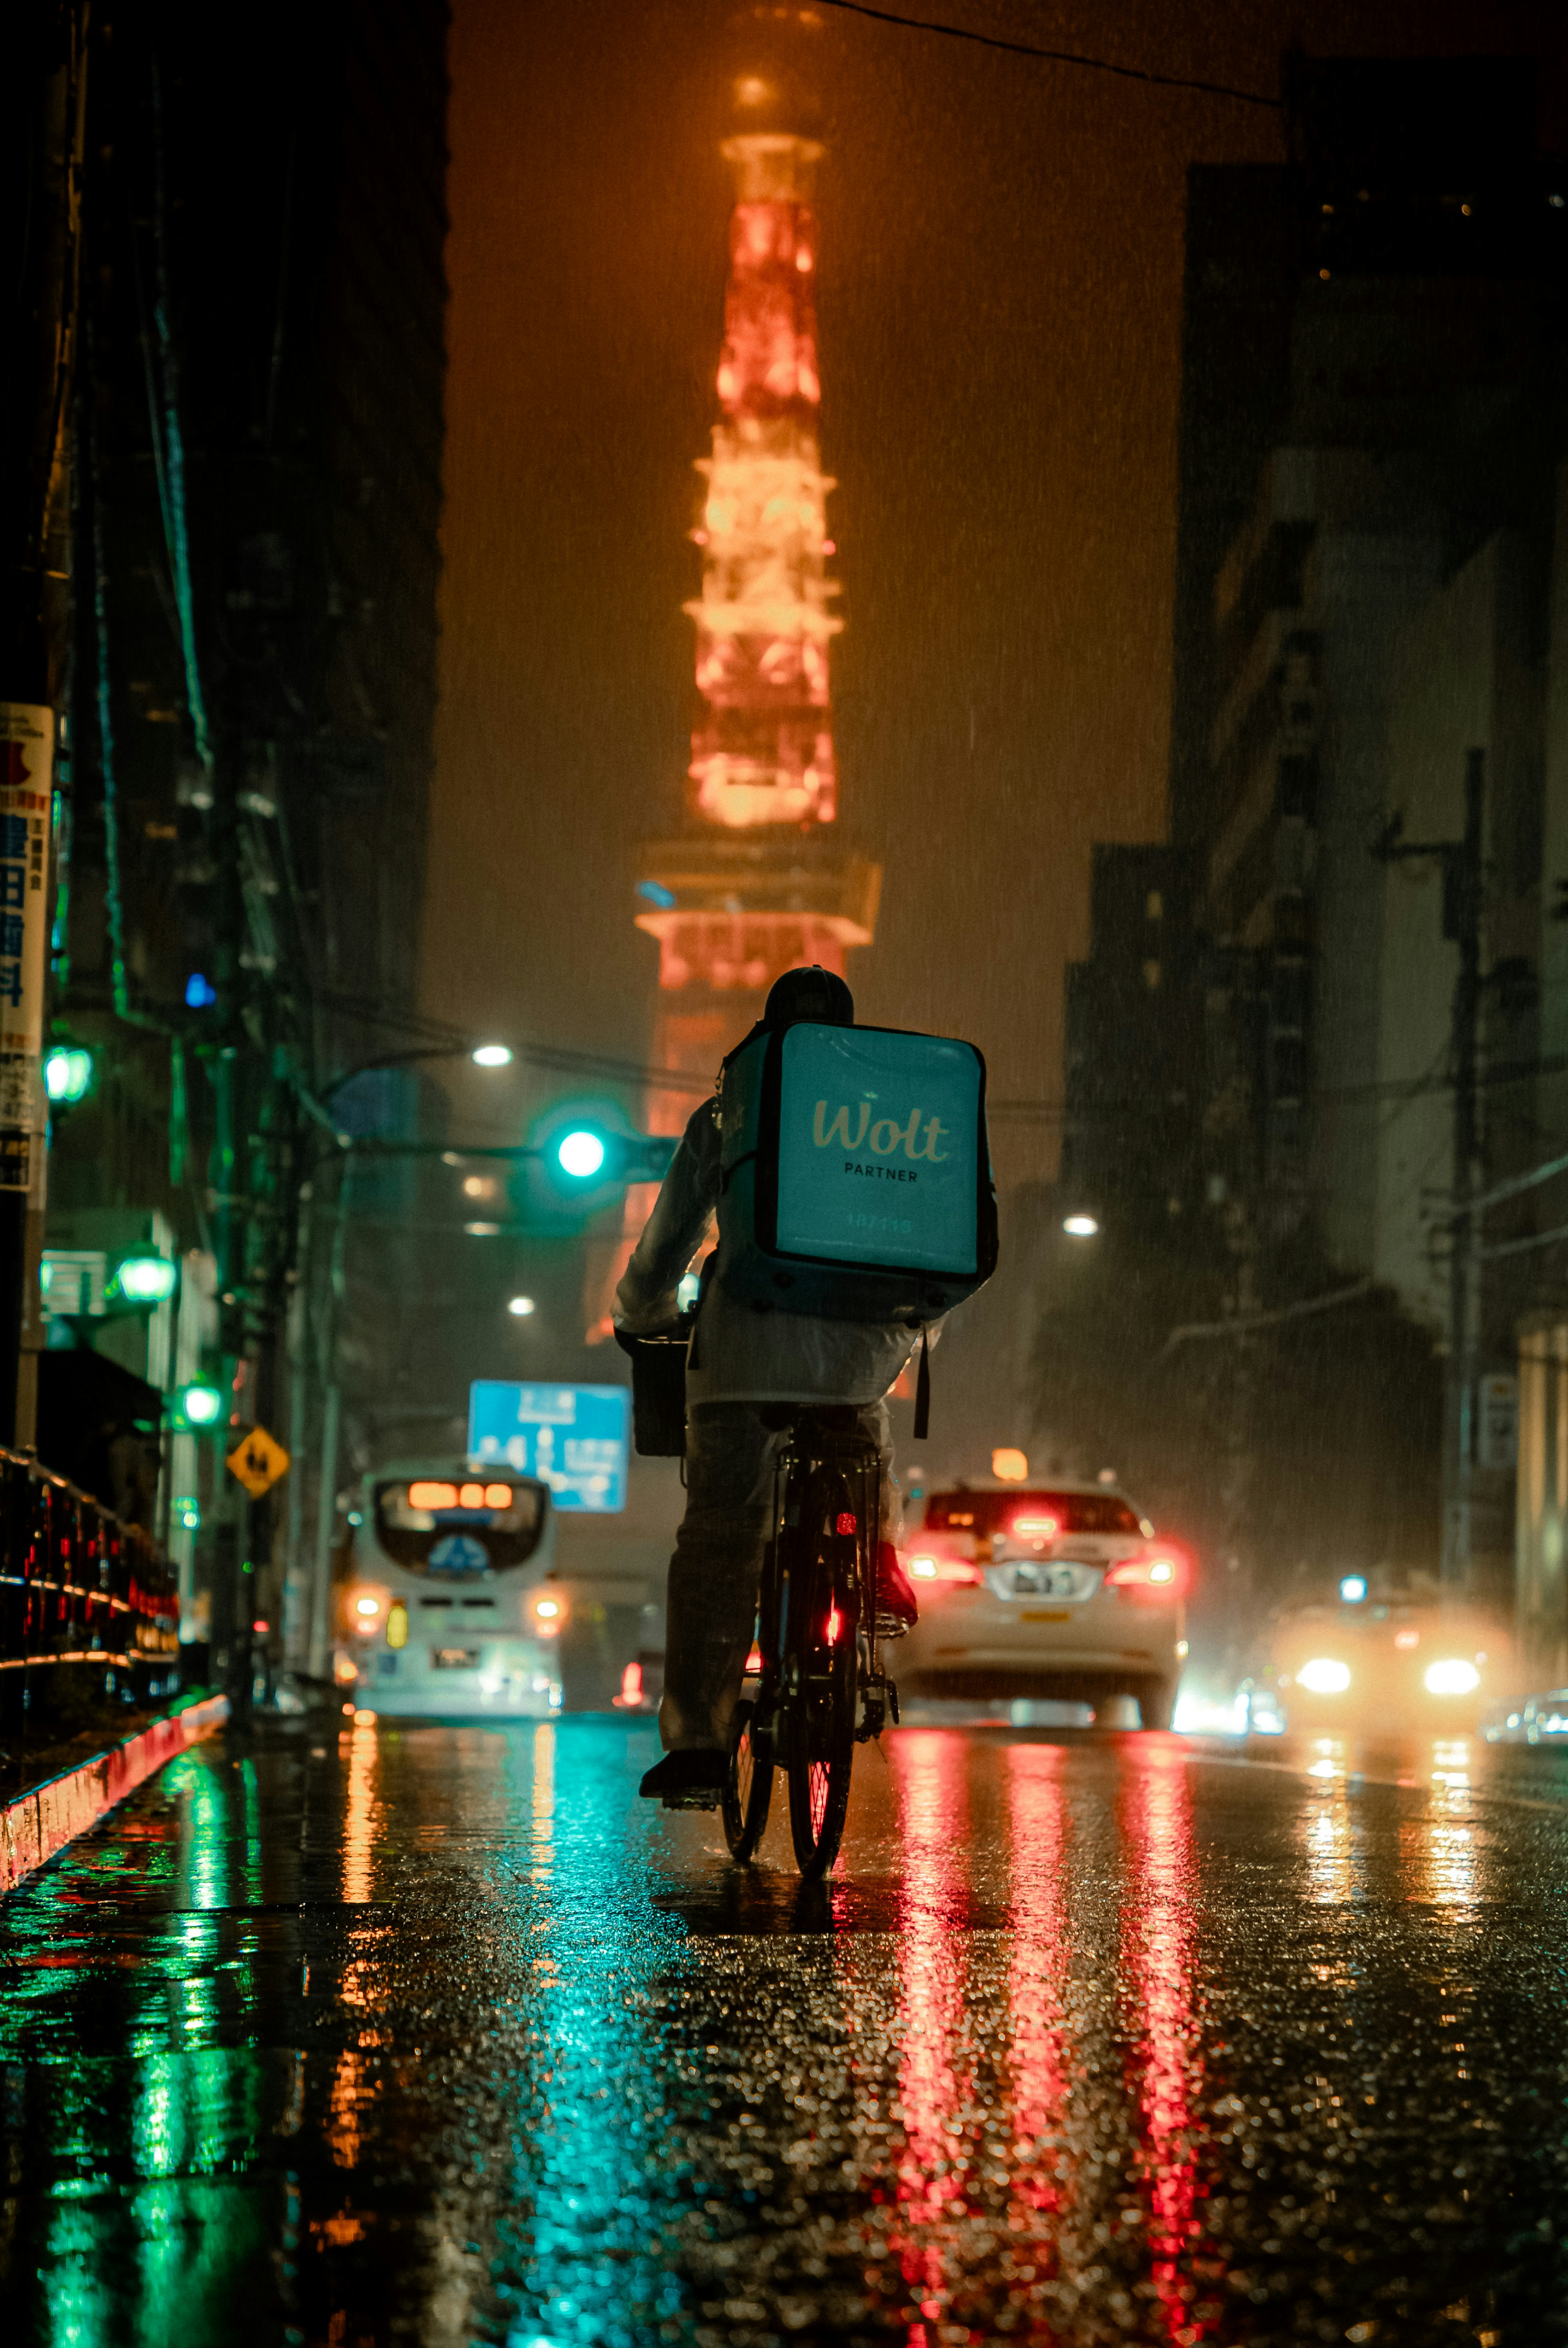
(1463, 864)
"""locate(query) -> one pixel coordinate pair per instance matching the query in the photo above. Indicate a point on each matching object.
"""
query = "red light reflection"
(1157, 1961)
(933, 1768)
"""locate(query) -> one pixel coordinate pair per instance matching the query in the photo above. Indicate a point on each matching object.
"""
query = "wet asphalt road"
(435, 2036)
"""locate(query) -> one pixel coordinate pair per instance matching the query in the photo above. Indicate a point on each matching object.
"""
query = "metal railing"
(80, 1587)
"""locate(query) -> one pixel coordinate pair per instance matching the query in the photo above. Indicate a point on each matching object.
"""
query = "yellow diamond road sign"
(258, 1462)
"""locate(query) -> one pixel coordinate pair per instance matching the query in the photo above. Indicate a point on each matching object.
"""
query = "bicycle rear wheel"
(820, 1667)
(749, 1781)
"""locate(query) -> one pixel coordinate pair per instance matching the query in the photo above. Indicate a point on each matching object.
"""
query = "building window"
(1151, 975)
(1154, 906)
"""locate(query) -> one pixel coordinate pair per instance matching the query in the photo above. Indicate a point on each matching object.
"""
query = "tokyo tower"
(758, 881)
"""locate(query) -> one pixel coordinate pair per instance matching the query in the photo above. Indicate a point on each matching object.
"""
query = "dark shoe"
(896, 1611)
(686, 1781)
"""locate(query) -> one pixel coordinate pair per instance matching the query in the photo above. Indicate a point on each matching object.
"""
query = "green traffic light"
(144, 1280)
(200, 1404)
(580, 1153)
(67, 1074)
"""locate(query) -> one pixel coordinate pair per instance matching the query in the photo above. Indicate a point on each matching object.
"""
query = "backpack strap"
(923, 1388)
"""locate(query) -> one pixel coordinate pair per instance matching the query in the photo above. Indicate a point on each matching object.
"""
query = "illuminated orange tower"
(758, 879)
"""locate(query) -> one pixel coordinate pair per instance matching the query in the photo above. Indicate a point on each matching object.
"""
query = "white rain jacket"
(738, 1354)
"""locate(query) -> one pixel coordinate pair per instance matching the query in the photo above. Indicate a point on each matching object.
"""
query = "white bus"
(449, 1609)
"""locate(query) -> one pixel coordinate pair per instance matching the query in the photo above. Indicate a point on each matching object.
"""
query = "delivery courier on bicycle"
(796, 1307)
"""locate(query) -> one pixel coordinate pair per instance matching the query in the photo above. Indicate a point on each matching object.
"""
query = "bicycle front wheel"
(822, 1674)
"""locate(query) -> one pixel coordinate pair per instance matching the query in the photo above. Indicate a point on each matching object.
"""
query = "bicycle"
(817, 1689)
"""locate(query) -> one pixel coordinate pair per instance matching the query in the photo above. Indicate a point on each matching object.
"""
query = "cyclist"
(741, 1360)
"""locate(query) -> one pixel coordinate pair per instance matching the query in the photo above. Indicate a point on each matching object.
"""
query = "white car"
(1061, 1591)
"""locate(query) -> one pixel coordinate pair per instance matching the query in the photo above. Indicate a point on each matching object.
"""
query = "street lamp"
(1081, 1227)
(491, 1056)
(521, 1306)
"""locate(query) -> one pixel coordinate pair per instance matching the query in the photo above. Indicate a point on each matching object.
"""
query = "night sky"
(999, 313)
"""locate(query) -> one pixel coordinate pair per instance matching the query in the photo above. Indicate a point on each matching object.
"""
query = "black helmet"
(811, 993)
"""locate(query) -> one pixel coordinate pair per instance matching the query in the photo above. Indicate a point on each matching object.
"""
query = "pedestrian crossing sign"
(258, 1461)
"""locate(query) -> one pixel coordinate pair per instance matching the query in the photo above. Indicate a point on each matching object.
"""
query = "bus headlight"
(364, 1612)
(549, 1613)
(1325, 1675)
(1451, 1676)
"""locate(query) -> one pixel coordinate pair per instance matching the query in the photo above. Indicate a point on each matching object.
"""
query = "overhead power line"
(1054, 57)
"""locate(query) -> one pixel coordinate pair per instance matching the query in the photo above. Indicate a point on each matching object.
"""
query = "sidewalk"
(46, 1818)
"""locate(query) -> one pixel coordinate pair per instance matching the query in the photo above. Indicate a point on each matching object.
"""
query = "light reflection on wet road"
(436, 2035)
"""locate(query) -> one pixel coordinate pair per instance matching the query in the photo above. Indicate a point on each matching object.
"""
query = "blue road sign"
(576, 1439)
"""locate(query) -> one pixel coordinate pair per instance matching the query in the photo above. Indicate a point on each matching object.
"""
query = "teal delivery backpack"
(856, 1176)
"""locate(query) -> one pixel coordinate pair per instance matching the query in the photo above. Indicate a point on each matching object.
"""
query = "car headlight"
(1451, 1676)
(1325, 1675)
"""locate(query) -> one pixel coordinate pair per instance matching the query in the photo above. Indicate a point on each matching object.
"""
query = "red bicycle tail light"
(846, 1523)
(1162, 1574)
(835, 1625)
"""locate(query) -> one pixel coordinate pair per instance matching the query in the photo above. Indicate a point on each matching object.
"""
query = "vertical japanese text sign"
(26, 746)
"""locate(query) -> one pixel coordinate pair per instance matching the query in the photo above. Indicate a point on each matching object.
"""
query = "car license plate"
(1046, 1580)
(454, 1659)
(1038, 1614)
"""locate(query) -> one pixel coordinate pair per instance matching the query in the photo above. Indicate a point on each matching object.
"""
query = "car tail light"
(943, 1568)
(1163, 1574)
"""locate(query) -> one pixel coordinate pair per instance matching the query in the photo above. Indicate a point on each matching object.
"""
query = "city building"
(1373, 342)
(240, 832)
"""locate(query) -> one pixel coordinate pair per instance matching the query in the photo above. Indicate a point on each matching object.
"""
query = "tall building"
(256, 556)
(758, 879)
(1374, 341)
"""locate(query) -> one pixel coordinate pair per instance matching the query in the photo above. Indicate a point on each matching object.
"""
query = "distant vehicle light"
(1325, 1675)
(1081, 1227)
(146, 1279)
(1406, 1638)
(1010, 1466)
(834, 1626)
(492, 1055)
(1036, 1527)
(1352, 1589)
(922, 1569)
(432, 1496)
(1451, 1676)
(579, 1153)
(754, 1660)
(520, 1307)
(367, 1607)
(364, 1718)
(546, 1609)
